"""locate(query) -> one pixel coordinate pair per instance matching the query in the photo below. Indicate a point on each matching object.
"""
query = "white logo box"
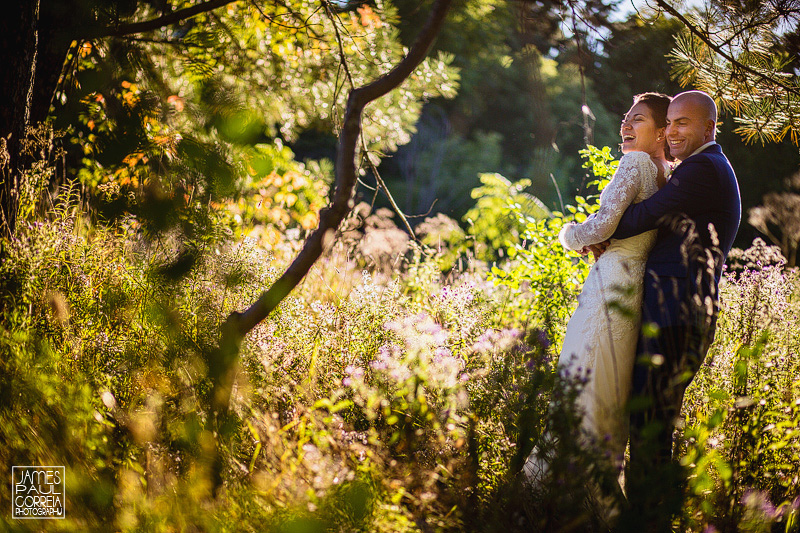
(38, 492)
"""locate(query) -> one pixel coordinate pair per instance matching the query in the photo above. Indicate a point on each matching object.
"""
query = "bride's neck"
(663, 169)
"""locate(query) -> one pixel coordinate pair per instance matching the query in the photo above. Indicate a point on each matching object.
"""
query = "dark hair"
(658, 104)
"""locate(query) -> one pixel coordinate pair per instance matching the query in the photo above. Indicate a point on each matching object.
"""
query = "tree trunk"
(223, 361)
(59, 24)
(18, 41)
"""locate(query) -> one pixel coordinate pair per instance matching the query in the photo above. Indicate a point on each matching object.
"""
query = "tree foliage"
(201, 105)
(146, 90)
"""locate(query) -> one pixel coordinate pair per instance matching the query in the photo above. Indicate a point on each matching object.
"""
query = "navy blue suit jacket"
(702, 191)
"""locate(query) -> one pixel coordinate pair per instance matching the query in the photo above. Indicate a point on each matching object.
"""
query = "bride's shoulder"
(640, 161)
(635, 157)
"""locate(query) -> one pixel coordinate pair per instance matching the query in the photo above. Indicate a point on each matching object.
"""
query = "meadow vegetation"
(399, 388)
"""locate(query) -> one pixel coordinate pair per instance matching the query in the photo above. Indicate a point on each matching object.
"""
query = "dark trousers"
(667, 361)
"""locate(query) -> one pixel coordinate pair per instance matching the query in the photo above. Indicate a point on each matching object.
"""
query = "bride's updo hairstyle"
(658, 104)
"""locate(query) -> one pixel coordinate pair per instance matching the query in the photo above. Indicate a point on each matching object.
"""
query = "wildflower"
(543, 339)
(499, 340)
(379, 364)
(354, 371)
(441, 352)
(758, 502)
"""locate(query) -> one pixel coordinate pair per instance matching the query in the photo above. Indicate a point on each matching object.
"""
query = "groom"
(697, 214)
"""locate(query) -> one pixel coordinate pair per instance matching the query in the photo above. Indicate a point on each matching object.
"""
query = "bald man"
(697, 214)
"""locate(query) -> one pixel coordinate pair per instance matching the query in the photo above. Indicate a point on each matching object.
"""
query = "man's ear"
(711, 130)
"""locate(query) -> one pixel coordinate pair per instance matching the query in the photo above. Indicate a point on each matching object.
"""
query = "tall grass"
(382, 395)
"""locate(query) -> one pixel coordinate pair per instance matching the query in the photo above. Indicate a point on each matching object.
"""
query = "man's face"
(688, 128)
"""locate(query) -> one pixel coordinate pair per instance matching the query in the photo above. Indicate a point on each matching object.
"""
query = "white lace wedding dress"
(600, 341)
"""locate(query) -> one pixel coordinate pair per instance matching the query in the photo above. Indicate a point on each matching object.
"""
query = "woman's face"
(639, 131)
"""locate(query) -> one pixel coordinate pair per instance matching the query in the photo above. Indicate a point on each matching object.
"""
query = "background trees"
(531, 103)
(526, 70)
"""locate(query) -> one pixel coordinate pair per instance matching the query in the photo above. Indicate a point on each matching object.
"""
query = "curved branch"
(378, 179)
(156, 23)
(238, 324)
(222, 361)
(416, 54)
(705, 38)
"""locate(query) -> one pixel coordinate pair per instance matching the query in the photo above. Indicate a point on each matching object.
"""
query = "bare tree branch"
(364, 148)
(331, 216)
(156, 23)
(222, 363)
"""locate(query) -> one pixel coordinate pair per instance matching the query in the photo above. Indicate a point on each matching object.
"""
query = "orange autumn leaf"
(368, 18)
(132, 159)
(176, 101)
(130, 98)
(309, 220)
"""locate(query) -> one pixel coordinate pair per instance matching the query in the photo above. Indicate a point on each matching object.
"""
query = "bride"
(601, 337)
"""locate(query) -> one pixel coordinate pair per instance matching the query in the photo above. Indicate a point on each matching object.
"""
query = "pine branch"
(703, 36)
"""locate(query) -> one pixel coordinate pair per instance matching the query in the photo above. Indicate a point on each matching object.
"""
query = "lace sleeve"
(615, 198)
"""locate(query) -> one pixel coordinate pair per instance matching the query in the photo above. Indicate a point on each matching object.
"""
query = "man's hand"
(596, 249)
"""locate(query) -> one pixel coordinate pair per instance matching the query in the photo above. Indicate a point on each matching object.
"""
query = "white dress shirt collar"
(706, 145)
